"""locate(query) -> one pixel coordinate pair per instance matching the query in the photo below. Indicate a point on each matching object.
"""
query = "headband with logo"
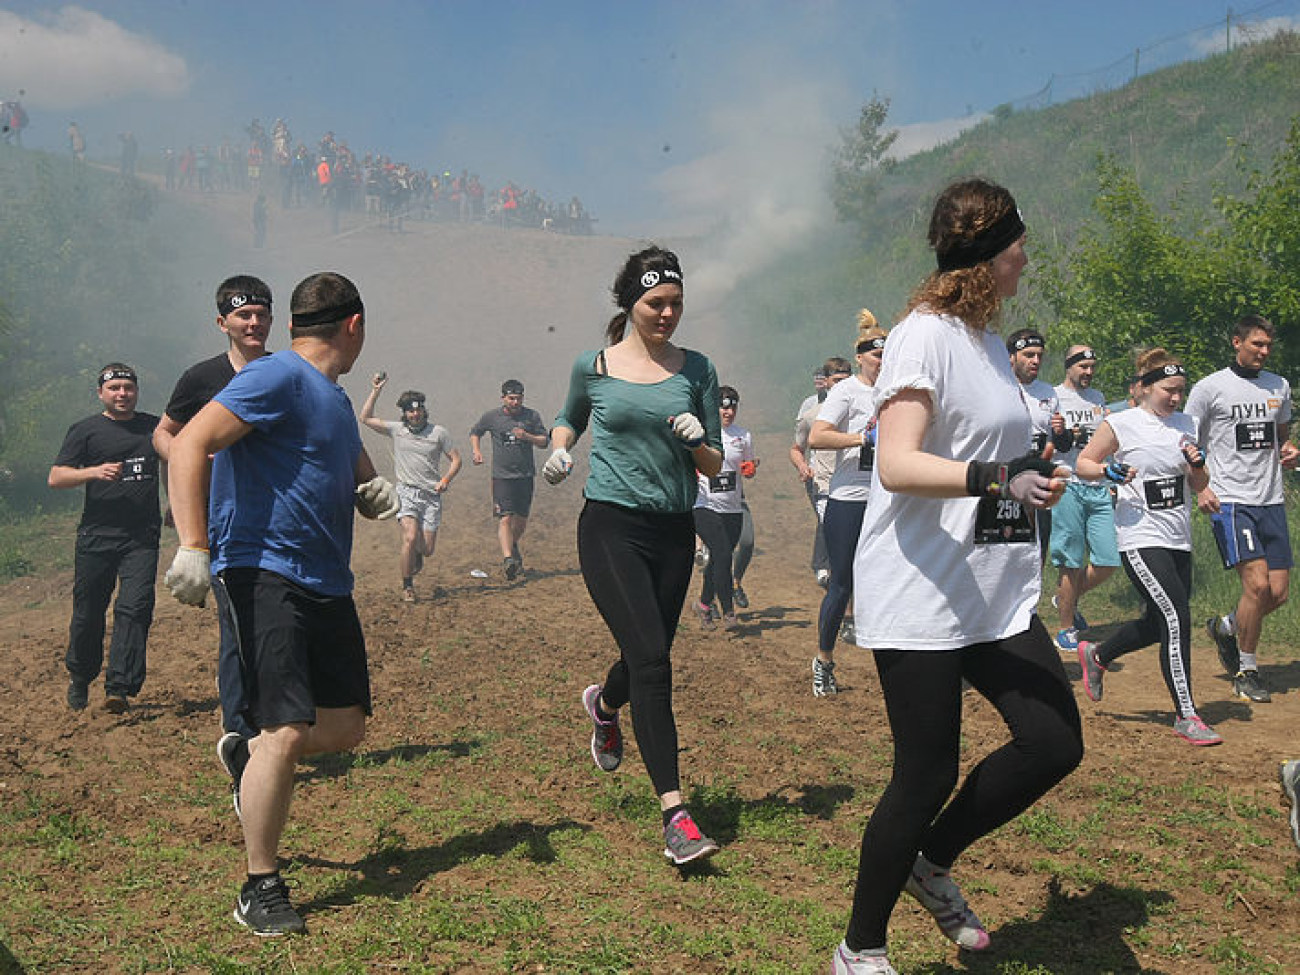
(108, 375)
(729, 402)
(985, 245)
(1168, 371)
(1026, 342)
(237, 301)
(1080, 356)
(870, 345)
(648, 280)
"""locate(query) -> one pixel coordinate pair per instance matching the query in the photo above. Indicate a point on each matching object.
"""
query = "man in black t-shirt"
(244, 315)
(515, 430)
(112, 455)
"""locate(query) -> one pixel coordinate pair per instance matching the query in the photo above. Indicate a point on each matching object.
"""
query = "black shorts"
(300, 650)
(512, 496)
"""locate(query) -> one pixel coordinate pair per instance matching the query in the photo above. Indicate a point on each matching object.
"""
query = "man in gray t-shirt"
(515, 430)
(418, 449)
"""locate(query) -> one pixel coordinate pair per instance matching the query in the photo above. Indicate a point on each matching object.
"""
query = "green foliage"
(858, 162)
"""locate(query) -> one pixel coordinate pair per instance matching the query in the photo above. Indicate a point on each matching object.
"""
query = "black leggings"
(1023, 678)
(1163, 578)
(637, 566)
(842, 524)
(719, 532)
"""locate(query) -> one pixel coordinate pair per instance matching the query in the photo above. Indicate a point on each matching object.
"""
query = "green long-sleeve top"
(636, 459)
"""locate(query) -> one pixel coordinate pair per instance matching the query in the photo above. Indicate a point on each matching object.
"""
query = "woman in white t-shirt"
(718, 513)
(1154, 460)
(946, 581)
(846, 424)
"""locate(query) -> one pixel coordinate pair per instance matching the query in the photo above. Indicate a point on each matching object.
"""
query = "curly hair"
(962, 212)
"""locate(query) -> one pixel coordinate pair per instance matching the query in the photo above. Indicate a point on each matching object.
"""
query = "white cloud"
(1248, 32)
(73, 58)
(919, 136)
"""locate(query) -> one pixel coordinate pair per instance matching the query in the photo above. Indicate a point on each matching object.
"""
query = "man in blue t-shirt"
(287, 472)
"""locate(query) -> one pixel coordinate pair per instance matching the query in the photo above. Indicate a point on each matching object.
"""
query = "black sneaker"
(263, 907)
(1247, 685)
(232, 752)
(116, 704)
(511, 565)
(78, 694)
(1226, 644)
(740, 598)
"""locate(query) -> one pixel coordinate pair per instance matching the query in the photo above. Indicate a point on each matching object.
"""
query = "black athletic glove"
(1025, 478)
(1063, 441)
(1117, 472)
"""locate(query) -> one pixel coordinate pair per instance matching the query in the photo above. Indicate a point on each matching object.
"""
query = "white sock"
(1230, 624)
(1248, 662)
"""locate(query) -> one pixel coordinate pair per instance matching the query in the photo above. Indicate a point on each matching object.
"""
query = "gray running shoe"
(1247, 685)
(702, 556)
(848, 634)
(1226, 644)
(824, 678)
(939, 894)
(511, 566)
(606, 737)
(232, 752)
(705, 613)
(1289, 774)
(264, 908)
(730, 622)
(684, 843)
(1196, 731)
(78, 694)
(1092, 670)
(741, 599)
(848, 962)
(824, 578)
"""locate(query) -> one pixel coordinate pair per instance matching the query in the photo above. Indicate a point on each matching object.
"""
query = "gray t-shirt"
(511, 457)
(1237, 419)
(417, 455)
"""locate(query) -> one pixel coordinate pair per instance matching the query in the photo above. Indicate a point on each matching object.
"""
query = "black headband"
(232, 302)
(870, 345)
(1080, 356)
(651, 279)
(1168, 371)
(986, 245)
(335, 313)
(1026, 342)
(729, 402)
(108, 375)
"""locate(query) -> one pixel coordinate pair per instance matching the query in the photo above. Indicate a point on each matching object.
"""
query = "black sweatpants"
(637, 567)
(1023, 678)
(101, 564)
(720, 532)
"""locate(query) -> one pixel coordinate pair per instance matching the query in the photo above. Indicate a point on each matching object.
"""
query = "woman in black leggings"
(947, 579)
(653, 412)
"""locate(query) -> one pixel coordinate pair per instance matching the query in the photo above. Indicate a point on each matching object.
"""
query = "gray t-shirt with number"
(1237, 419)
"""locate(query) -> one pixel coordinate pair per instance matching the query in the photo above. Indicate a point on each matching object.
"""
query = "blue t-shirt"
(282, 496)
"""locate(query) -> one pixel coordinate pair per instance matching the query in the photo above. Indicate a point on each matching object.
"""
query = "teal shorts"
(1083, 528)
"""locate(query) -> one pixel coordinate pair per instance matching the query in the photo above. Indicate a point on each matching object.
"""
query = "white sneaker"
(939, 894)
(848, 962)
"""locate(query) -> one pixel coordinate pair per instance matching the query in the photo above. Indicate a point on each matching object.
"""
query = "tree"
(858, 162)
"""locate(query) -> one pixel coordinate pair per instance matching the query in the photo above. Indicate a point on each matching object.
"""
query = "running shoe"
(1092, 670)
(1226, 644)
(705, 613)
(1289, 774)
(939, 894)
(1068, 640)
(511, 567)
(116, 704)
(78, 694)
(408, 594)
(1196, 731)
(824, 678)
(729, 621)
(1078, 622)
(702, 556)
(684, 843)
(848, 962)
(606, 738)
(1247, 685)
(232, 752)
(264, 908)
(824, 578)
(848, 634)
(741, 599)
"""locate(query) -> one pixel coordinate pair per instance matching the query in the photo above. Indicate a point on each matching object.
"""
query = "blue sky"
(662, 117)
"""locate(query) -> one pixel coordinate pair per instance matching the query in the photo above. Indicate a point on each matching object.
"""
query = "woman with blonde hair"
(846, 423)
(1154, 459)
(947, 581)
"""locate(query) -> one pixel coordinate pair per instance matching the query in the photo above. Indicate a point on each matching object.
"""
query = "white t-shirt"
(1083, 409)
(1043, 403)
(922, 582)
(850, 408)
(724, 492)
(1152, 510)
(1237, 419)
(822, 462)
(417, 456)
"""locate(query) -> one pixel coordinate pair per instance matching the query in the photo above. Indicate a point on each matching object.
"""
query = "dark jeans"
(230, 667)
(102, 563)
(841, 526)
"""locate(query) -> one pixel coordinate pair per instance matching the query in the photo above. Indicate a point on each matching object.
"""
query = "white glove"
(688, 429)
(377, 499)
(190, 575)
(557, 466)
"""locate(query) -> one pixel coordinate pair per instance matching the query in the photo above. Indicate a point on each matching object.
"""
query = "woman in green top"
(653, 412)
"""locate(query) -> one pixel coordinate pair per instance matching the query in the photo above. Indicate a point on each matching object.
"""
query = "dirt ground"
(507, 662)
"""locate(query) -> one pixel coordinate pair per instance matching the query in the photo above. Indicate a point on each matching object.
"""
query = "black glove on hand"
(1026, 478)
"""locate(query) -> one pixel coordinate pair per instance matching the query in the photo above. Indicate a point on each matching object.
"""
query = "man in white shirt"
(815, 467)
(1025, 346)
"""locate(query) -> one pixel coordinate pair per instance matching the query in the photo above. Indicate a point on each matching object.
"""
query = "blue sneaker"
(1068, 640)
(1079, 623)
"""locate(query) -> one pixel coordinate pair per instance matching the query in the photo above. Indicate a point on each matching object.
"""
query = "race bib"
(722, 481)
(136, 469)
(1255, 435)
(867, 457)
(1163, 493)
(1039, 443)
(1003, 521)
